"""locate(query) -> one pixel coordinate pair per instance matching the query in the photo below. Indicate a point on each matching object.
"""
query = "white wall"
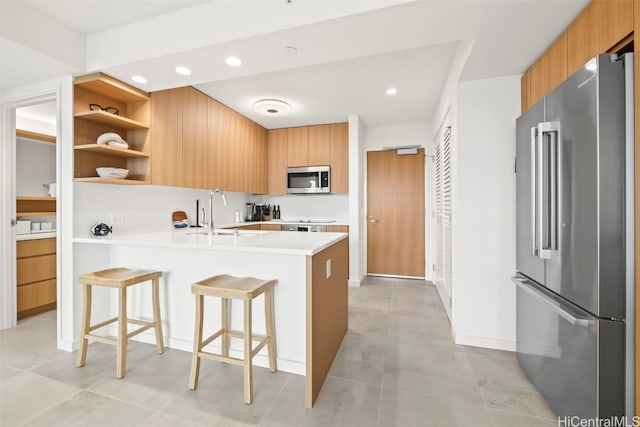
(357, 239)
(321, 207)
(484, 303)
(378, 137)
(35, 166)
(146, 207)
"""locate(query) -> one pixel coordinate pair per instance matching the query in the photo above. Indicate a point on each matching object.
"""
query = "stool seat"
(226, 286)
(245, 289)
(118, 278)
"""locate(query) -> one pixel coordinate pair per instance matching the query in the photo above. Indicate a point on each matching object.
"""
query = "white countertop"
(34, 236)
(244, 241)
(286, 221)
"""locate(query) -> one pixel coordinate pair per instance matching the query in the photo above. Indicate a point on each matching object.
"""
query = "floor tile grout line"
(484, 400)
(50, 408)
(275, 399)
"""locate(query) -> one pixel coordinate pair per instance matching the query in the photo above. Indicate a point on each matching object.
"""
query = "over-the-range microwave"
(309, 180)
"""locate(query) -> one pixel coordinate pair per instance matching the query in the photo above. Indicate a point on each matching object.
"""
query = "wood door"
(395, 214)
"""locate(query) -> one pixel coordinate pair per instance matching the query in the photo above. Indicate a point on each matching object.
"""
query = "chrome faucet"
(224, 200)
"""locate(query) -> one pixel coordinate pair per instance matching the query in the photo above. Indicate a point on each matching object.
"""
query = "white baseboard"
(259, 359)
(66, 345)
(485, 342)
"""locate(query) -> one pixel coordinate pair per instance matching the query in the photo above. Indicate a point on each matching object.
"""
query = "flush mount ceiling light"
(272, 108)
(233, 61)
(392, 91)
(139, 79)
(290, 50)
(183, 71)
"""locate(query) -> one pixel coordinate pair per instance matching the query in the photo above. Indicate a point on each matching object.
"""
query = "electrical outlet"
(117, 218)
(328, 268)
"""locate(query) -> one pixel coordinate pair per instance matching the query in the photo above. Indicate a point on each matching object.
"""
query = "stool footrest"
(220, 358)
(259, 347)
(212, 337)
(102, 339)
(102, 324)
(238, 334)
(147, 325)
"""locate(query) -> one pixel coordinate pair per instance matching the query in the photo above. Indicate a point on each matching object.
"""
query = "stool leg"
(225, 326)
(268, 314)
(122, 333)
(197, 345)
(248, 369)
(156, 314)
(86, 324)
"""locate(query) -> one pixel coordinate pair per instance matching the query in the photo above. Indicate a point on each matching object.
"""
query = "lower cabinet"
(36, 276)
(337, 228)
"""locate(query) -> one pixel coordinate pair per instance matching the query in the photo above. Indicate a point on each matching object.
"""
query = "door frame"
(427, 202)
(61, 92)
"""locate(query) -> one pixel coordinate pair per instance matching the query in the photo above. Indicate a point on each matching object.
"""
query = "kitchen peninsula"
(310, 298)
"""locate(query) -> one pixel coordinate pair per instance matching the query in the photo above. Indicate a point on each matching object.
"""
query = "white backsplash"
(146, 207)
(325, 207)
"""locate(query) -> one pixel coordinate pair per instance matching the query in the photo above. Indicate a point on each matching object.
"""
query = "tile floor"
(398, 366)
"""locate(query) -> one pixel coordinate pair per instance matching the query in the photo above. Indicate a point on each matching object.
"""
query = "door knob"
(372, 220)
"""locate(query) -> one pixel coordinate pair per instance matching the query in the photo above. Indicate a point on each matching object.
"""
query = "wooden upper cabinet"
(525, 91)
(298, 146)
(218, 140)
(166, 133)
(194, 138)
(260, 184)
(550, 70)
(598, 29)
(340, 158)
(615, 22)
(277, 161)
(319, 152)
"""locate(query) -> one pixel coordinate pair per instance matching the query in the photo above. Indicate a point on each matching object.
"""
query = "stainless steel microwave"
(309, 180)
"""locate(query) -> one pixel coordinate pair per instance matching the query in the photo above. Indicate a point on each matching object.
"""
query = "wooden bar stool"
(120, 278)
(229, 287)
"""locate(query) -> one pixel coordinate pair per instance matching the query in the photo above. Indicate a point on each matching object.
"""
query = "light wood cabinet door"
(235, 152)
(194, 138)
(337, 228)
(615, 22)
(319, 152)
(166, 134)
(550, 70)
(259, 165)
(298, 146)
(219, 144)
(525, 86)
(340, 158)
(277, 161)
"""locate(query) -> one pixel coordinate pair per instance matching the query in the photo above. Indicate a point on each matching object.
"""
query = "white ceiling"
(349, 51)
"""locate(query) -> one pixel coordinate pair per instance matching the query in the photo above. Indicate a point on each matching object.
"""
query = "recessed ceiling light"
(183, 71)
(234, 61)
(139, 79)
(272, 108)
(392, 91)
(290, 50)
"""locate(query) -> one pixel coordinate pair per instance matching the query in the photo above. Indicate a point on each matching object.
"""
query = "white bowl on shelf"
(112, 172)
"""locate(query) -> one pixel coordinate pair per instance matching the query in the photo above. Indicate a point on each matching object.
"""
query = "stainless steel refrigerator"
(575, 237)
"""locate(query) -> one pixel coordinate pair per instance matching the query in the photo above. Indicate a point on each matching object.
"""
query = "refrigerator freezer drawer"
(574, 359)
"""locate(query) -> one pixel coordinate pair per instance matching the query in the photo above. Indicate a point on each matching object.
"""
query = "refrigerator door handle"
(575, 321)
(534, 199)
(547, 180)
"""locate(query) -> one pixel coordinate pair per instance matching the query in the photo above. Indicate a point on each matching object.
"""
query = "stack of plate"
(112, 139)
(112, 172)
